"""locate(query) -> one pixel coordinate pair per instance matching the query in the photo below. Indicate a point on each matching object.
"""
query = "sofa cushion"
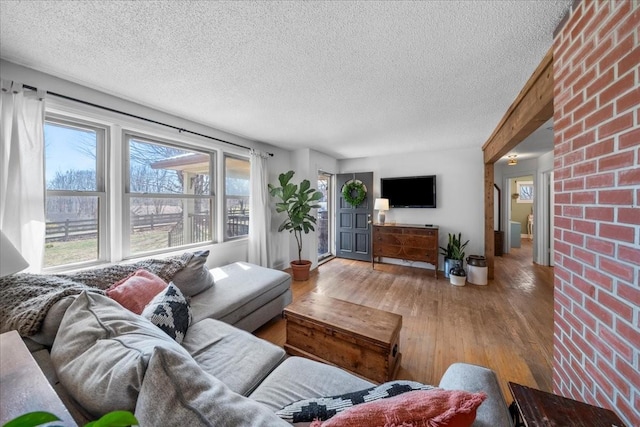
(136, 290)
(235, 357)
(451, 408)
(240, 289)
(51, 323)
(297, 378)
(177, 392)
(170, 311)
(494, 412)
(323, 408)
(101, 353)
(195, 276)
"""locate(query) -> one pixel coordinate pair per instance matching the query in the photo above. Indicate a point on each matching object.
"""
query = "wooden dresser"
(406, 241)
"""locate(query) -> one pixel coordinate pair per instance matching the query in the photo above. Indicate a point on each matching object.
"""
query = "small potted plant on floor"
(297, 202)
(453, 253)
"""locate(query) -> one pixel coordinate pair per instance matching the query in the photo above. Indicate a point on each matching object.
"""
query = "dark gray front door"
(353, 228)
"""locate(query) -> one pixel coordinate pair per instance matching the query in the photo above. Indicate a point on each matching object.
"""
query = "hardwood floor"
(506, 325)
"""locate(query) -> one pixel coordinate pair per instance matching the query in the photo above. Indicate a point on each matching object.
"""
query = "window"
(237, 173)
(324, 223)
(115, 193)
(525, 192)
(168, 196)
(75, 200)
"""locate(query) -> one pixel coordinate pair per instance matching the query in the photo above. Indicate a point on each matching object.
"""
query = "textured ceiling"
(350, 79)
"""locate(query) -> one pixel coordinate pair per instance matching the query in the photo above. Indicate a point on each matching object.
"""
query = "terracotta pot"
(300, 269)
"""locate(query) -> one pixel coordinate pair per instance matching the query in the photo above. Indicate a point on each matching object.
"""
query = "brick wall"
(597, 213)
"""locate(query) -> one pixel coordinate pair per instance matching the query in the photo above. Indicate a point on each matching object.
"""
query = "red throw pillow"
(137, 290)
(431, 408)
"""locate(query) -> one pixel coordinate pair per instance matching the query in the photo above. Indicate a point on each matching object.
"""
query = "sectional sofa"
(105, 357)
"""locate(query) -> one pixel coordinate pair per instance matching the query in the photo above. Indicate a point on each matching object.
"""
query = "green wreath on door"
(354, 192)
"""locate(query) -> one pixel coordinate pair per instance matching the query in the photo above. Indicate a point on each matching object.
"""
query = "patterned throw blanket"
(26, 298)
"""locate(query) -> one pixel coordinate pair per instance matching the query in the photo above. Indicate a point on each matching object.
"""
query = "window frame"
(127, 195)
(224, 196)
(116, 125)
(102, 186)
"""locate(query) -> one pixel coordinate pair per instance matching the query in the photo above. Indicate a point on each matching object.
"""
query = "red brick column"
(597, 206)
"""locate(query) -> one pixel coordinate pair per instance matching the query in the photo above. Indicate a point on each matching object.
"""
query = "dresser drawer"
(391, 251)
(408, 242)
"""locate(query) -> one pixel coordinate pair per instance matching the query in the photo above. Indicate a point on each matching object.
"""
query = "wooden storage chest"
(361, 339)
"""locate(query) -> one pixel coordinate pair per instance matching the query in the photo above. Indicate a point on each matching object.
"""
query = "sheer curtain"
(22, 190)
(259, 214)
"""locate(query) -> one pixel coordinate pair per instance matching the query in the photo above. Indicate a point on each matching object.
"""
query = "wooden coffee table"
(361, 339)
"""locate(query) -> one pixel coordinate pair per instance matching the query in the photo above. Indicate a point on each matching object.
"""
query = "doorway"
(519, 198)
(546, 223)
(353, 223)
(325, 219)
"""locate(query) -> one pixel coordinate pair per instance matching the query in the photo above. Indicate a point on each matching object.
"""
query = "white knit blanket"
(26, 298)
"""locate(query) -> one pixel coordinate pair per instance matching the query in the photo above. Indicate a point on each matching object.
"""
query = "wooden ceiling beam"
(532, 107)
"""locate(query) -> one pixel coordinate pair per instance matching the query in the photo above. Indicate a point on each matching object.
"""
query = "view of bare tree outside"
(177, 204)
(73, 195)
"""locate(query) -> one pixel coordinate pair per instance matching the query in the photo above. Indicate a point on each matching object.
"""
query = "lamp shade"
(381, 205)
(10, 259)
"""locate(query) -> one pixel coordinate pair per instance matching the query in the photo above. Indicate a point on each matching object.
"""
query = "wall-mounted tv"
(410, 191)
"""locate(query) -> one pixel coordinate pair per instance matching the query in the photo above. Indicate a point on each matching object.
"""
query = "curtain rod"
(113, 110)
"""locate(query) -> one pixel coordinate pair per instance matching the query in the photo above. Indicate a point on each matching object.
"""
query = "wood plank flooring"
(506, 325)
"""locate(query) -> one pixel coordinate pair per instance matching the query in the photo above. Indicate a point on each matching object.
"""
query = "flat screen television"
(410, 191)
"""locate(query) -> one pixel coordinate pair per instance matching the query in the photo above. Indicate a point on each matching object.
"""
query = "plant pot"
(449, 264)
(300, 269)
(456, 280)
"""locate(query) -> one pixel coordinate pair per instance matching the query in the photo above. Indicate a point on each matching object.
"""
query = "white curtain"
(22, 190)
(259, 214)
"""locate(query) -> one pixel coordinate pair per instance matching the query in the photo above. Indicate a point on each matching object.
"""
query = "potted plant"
(297, 202)
(453, 253)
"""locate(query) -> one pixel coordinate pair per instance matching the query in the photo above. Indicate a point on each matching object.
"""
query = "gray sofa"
(245, 295)
(105, 357)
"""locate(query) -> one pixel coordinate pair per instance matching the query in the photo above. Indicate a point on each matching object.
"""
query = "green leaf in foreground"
(32, 419)
(115, 419)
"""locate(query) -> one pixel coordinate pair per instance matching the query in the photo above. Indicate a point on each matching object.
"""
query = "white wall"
(460, 191)
(221, 253)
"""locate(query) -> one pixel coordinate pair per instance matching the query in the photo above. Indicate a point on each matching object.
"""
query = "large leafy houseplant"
(296, 201)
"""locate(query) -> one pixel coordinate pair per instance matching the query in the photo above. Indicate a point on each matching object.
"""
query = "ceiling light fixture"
(513, 160)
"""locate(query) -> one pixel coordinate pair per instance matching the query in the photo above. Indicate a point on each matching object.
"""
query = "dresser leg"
(515, 415)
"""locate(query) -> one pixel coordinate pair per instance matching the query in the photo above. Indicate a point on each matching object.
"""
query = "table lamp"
(10, 259)
(381, 205)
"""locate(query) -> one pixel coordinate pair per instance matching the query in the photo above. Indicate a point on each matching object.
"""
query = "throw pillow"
(177, 392)
(195, 276)
(51, 322)
(101, 353)
(136, 290)
(170, 311)
(437, 407)
(323, 408)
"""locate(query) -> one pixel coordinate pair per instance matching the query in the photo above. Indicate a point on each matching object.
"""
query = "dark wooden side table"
(536, 408)
(23, 386)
